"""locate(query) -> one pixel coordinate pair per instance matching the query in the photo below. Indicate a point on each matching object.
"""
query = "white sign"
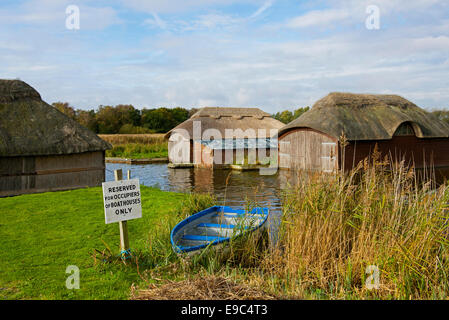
(122, 200)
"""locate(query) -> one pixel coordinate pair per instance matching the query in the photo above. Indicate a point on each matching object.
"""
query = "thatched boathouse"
(41, 149)
(400, 129)
(219, 137)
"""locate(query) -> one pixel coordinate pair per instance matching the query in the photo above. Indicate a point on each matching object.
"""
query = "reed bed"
(338, 234)
(338, 229)
(115, 139)
(136, 146)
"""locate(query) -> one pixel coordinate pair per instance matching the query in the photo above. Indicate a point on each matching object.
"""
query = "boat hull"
(215, 227)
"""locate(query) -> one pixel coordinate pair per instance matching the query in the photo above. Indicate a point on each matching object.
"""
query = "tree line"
(125, 119)
(288, 116)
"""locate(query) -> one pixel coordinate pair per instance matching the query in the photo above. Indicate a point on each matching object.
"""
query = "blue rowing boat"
(215, 226)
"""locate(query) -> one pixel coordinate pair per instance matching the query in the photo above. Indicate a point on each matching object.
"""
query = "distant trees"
(288, 116)
(163, 119)
(130, 129)
(160, 120)
(124, 118)
(87, 119)
(108, 120)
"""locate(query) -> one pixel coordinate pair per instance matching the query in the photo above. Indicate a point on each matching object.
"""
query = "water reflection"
(231, 188)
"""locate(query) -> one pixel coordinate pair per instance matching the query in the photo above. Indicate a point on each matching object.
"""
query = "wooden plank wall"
(307, 149)
(223, 158)
(197, 149)
(422, 152)
(207, 157)
(46, 173)
(184, 146)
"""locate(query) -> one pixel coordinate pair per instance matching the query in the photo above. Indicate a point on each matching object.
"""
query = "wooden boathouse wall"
(205, 157)
(400, 129)
(308, 149)
(42, 149)
(180, 150)
(421, 153)
(30, 174)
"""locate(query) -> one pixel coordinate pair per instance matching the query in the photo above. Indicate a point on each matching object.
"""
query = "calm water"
(264, 190)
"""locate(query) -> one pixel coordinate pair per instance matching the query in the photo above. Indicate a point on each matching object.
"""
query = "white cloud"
(156, 21)
(52, 15)
(318, 18)
(227, 60)
(177, 6)
(429, 44)
(208, 20)
(212, 20)
(262, 9)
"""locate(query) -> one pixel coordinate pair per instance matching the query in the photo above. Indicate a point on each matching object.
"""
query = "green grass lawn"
(42, 234)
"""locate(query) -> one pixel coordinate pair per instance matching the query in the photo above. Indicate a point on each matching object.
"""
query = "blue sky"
(272, 54)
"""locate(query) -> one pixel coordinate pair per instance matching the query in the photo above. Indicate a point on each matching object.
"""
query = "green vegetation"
(136, 146)
(131, 129)
(42, 234)
(288, 116)
(138, 151)
(125, 119)
(334, 227)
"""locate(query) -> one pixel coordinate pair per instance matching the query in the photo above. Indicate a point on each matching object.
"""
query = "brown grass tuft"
(208, 287)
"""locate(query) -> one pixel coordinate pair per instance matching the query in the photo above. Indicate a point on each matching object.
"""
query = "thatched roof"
(218, 112)
(368, 117)
(230, 118)
(29, 126)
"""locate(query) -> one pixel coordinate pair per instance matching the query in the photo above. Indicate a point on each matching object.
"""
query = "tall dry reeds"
(336, 226)
(336, 231)
(120, 139)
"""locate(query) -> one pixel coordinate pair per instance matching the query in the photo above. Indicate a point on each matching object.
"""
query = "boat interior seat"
(202, 238)
(216, 225)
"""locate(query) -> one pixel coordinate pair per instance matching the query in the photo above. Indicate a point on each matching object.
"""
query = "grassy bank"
(333, 229)
(42, 234)
(136, 146)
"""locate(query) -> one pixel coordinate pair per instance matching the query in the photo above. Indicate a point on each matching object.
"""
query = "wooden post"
(124, 239)
(118, 175)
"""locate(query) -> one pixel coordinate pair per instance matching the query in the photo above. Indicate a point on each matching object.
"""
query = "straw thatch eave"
(31, 127)
(218, 112)
(367, 117)
(215, 119)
